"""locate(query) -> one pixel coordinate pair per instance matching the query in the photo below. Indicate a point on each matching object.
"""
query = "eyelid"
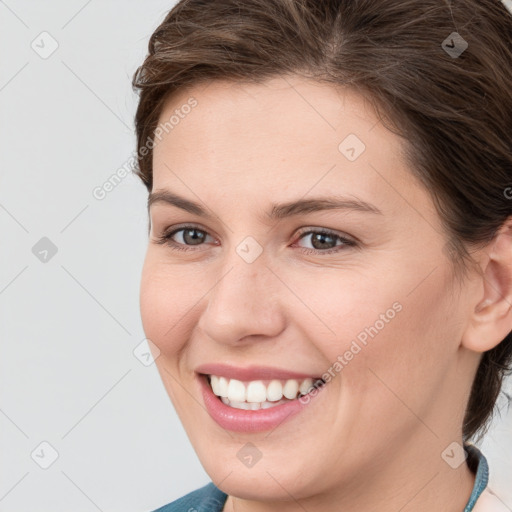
(177, 227)
(313, 229)
(169, 232)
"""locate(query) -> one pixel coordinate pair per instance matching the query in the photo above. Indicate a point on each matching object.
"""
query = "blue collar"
(477, 463)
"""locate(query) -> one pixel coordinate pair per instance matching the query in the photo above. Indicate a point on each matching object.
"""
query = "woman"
(328, 279)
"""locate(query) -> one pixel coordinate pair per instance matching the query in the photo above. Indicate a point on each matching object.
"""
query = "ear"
(491, 320)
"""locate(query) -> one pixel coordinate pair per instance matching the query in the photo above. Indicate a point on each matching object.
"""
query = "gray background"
(69, 321)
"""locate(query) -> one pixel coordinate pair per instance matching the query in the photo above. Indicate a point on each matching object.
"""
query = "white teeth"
(236, 391)
(290, 389)
(214, 382)
(274, 391)
(252, 395)
(222, 387)
(268, 405)
(305, 387)
(256, 391)
(240, 405)
(252, 406)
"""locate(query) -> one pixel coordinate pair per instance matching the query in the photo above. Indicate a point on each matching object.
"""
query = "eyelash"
(166, 239)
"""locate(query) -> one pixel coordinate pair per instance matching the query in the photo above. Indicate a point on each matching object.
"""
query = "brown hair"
(454, 111)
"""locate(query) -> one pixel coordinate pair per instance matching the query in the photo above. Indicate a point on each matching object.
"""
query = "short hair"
(439, 74)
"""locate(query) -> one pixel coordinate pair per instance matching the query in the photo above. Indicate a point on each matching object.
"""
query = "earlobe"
(491, 320)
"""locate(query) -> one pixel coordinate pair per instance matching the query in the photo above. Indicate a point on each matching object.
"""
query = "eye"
(324, 241)
(188, 235)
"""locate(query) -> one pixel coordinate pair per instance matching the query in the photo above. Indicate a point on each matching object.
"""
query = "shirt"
(211, 499)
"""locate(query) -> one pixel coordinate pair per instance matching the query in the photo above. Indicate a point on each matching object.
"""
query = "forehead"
(283, 107)
(288, 134)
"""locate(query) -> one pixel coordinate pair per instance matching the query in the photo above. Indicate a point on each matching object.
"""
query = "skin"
(373, 438)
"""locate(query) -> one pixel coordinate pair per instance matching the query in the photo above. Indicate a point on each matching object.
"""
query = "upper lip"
(251, 372)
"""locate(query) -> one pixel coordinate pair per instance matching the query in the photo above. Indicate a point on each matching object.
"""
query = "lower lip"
(241, 420)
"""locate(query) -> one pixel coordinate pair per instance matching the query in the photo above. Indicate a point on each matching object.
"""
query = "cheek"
(343, 309)
(167, 299)
(405, 362)
(381, 332)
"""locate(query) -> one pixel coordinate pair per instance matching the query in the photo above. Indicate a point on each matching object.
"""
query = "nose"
(244, 304)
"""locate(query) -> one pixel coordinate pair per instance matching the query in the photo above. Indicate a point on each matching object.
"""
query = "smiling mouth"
(260, 394)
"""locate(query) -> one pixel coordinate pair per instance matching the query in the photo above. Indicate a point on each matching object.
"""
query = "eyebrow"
(278, 211)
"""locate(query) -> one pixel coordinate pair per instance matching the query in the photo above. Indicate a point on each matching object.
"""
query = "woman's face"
(254, 284)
